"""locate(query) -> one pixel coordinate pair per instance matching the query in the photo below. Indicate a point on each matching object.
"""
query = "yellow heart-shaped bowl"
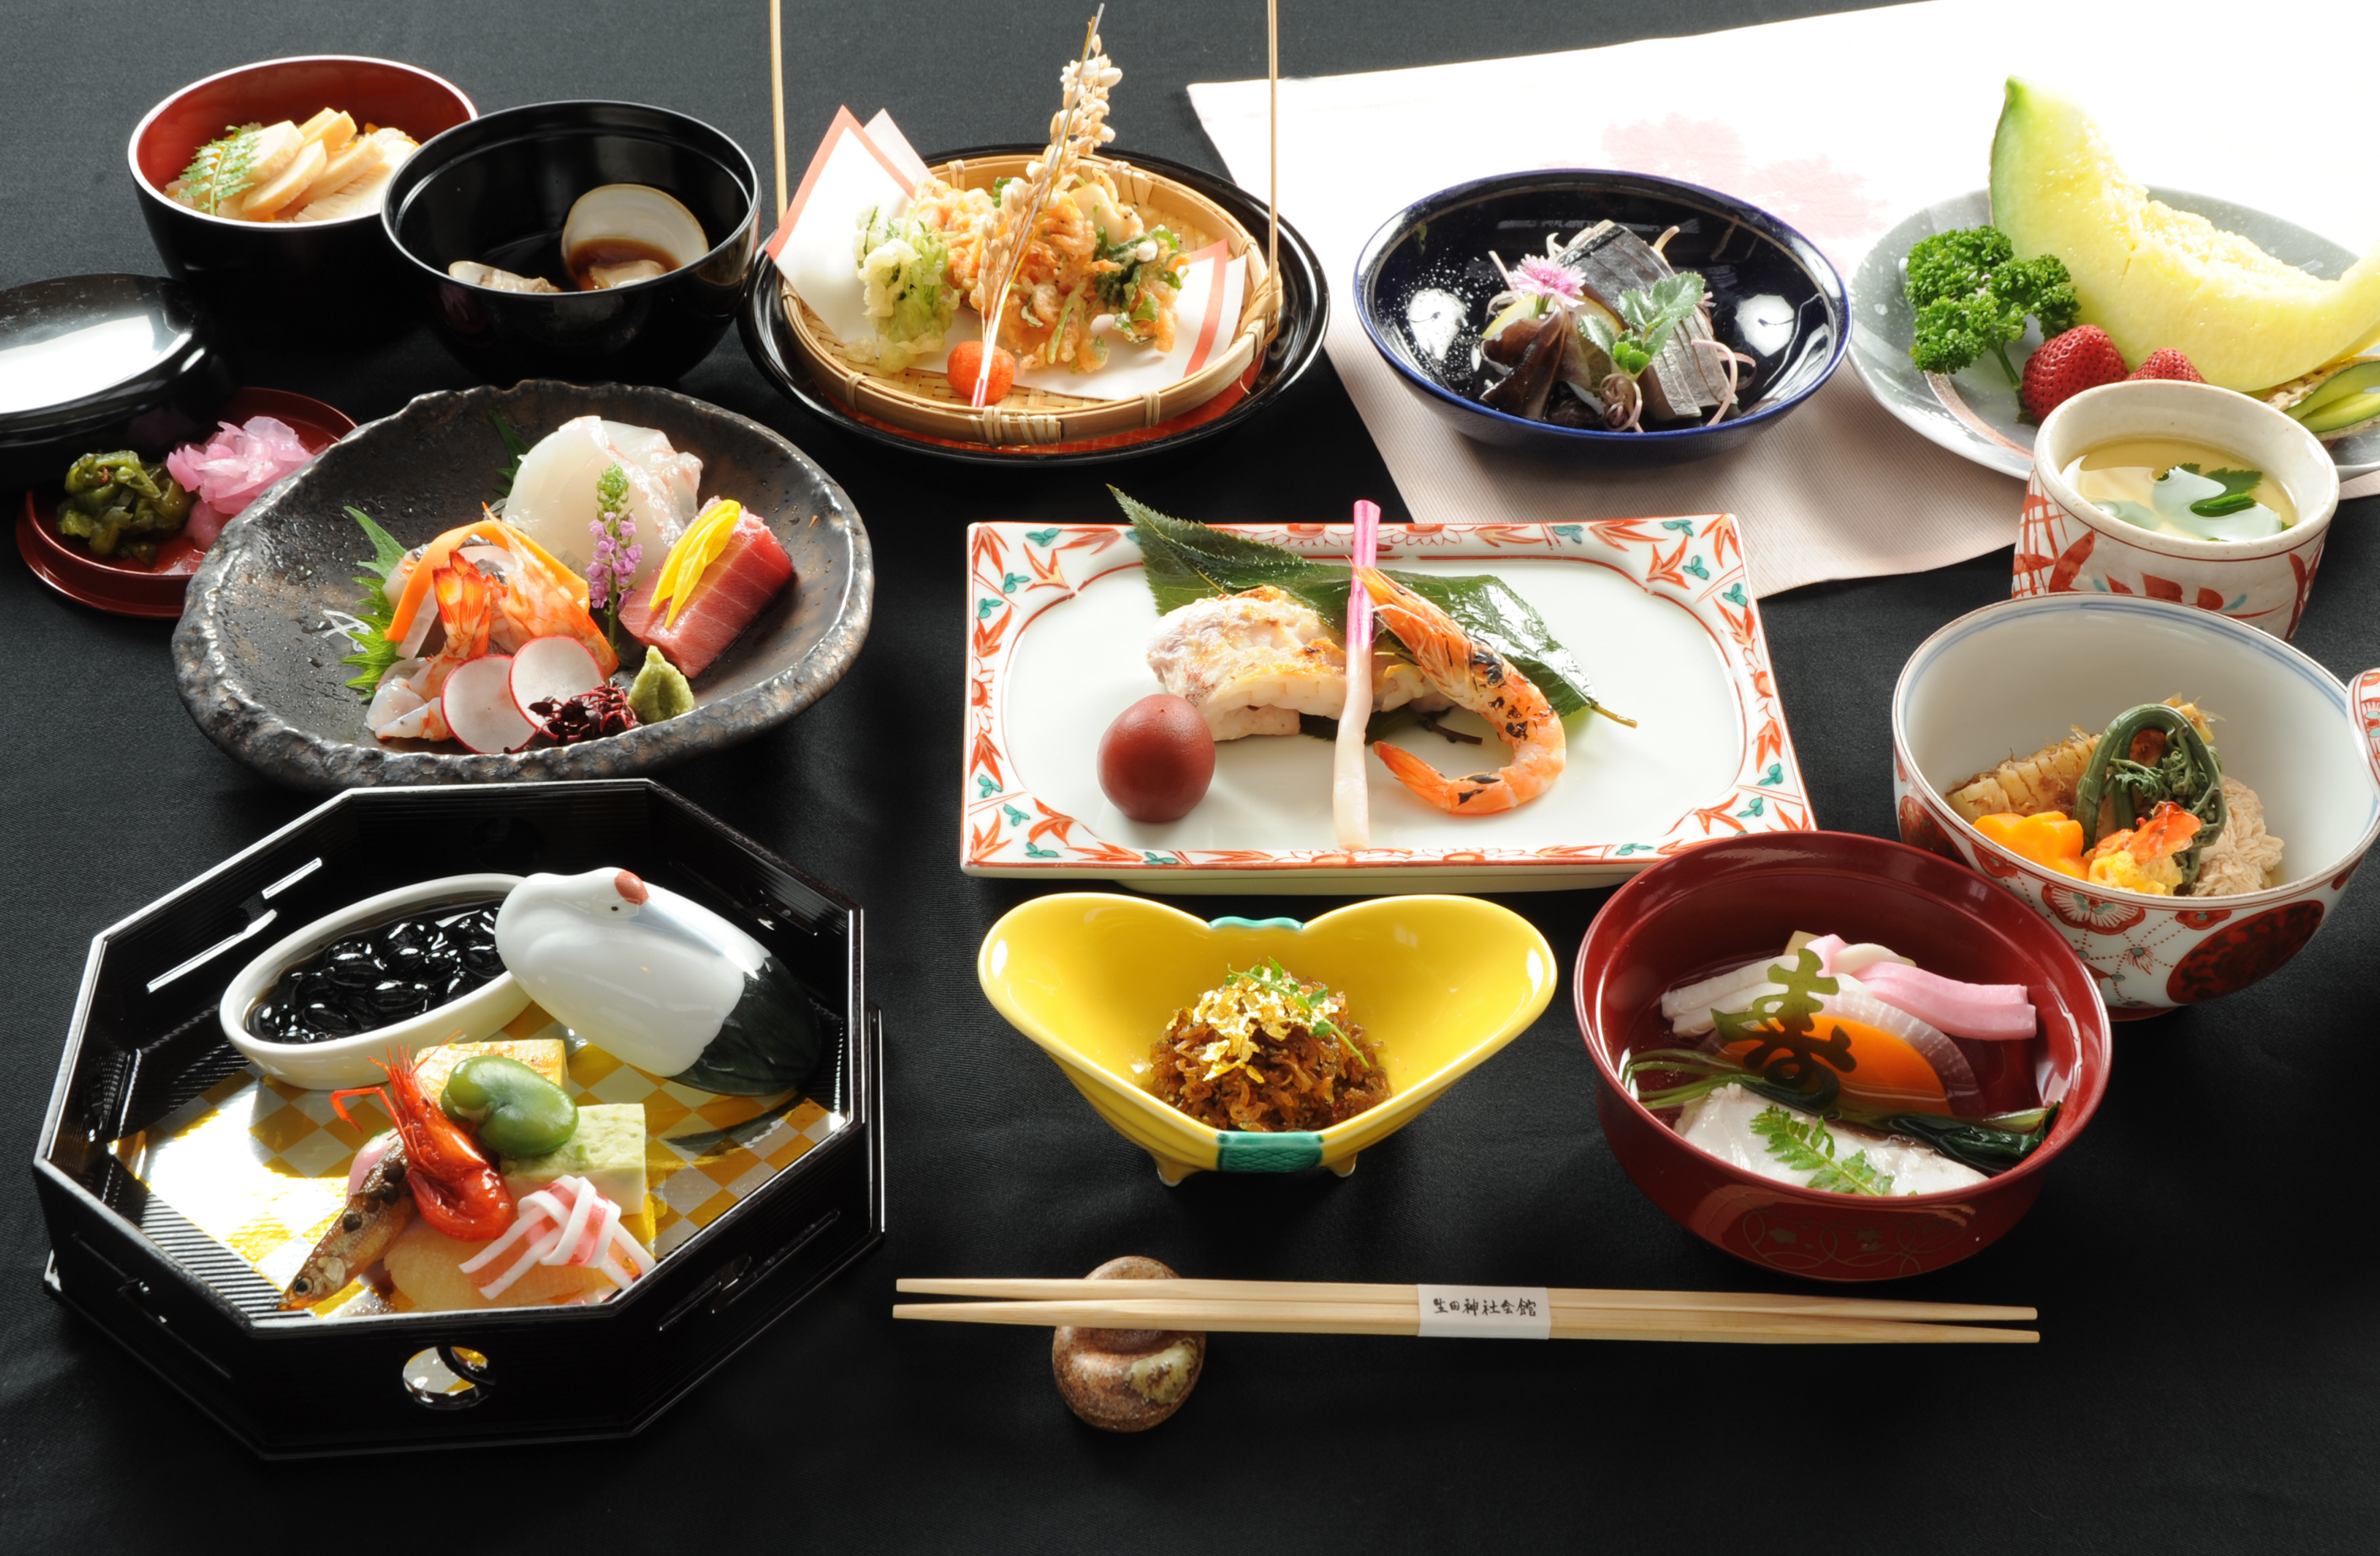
(1439, 983)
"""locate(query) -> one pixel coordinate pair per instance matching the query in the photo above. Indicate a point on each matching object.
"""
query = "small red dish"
(130, 589)
(1722, 904)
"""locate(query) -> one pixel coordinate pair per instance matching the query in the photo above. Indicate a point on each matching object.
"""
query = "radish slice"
(559, 668)
(478, 706)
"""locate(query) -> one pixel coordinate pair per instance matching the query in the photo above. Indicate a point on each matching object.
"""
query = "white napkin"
(1840, 125)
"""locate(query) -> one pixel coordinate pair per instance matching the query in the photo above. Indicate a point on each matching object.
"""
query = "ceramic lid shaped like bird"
(659, 982)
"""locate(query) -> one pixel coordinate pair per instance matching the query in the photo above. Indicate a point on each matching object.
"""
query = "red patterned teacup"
(2014, 676)
(2066, 543)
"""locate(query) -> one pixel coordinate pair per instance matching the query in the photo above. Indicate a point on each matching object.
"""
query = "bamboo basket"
(926, 402)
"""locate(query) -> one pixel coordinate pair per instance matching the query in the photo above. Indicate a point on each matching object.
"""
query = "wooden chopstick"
(1339, 1316)
(1563, 1299)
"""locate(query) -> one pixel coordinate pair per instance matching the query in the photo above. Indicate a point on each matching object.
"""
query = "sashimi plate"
(1658, 610)
(257, 654)
(1974, 413)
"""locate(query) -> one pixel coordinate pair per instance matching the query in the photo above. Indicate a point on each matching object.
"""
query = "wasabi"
(659, 691)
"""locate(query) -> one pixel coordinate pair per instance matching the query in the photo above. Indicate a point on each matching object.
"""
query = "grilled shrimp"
(1477, 677)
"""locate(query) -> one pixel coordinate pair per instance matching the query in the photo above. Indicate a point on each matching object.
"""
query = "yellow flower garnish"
(692, 556)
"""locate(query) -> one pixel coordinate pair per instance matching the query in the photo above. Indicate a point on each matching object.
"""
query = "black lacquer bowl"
(311, 286)
(498, 189)
(257, 656)
(1424, 281)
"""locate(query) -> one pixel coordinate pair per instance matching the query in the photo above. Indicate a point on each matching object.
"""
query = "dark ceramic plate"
(1424, 281)
(257, 657)
(1305, 310)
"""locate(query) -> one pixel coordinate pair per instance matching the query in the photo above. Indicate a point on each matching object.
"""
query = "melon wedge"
(2153, 276)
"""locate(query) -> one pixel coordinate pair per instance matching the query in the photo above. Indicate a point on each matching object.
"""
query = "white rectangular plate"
(1658, 610)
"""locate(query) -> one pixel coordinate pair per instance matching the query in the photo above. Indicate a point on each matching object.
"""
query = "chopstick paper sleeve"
(1486, 1312)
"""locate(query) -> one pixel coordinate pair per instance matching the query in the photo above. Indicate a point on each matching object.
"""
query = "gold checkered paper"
(261, 1166)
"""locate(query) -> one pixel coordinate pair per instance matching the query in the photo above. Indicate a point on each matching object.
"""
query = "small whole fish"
(374, 1214)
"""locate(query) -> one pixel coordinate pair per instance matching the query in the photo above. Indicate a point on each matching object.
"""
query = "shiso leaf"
(1186, 561)
(374, 654)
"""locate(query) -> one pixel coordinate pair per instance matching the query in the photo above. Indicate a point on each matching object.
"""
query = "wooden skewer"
(777, 93)
(1406, 1297)
(1405, 1318)
(1272, 131)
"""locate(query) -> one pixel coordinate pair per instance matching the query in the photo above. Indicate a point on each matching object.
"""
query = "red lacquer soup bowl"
(1722, 904)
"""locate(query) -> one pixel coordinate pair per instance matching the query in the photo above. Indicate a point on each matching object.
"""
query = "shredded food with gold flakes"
(1267, 1052)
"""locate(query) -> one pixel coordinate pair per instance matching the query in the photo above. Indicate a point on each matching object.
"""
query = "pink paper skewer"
(1351, 808)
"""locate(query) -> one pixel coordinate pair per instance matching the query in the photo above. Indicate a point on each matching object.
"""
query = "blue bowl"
(1424, 281)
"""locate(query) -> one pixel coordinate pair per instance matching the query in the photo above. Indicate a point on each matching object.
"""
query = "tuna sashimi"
(745, 576)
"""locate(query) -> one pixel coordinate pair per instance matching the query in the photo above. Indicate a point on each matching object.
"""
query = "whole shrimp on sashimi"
(1475, 676)
(456, 1188)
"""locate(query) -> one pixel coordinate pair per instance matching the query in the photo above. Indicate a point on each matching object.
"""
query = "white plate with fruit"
(2245, 299)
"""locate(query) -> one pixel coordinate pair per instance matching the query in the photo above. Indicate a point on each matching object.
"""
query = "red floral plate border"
(1018, 571)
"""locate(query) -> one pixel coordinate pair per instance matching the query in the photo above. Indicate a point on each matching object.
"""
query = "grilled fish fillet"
(1251, 663)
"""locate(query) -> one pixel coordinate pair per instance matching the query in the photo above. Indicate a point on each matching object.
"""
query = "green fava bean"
(516, 1111)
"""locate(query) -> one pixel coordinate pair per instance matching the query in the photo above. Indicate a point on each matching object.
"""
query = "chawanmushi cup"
(2068, 544)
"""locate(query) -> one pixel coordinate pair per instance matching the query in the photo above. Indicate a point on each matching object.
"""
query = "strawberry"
(2082, 357)
(2166, 362)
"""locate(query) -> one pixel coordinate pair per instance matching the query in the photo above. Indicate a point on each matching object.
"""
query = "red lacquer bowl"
(123, 587)
(317, 285)
(1720, 906)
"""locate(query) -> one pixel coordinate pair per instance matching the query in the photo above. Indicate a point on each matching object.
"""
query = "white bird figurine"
(659, 982)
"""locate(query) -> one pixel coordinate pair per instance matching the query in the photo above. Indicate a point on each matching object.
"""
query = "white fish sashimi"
(552, 498)
(1721, 1125)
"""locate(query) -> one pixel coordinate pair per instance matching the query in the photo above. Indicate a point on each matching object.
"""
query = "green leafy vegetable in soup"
(1805, 1144)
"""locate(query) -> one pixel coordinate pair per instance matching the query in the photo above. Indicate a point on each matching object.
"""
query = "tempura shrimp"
(1475, 677)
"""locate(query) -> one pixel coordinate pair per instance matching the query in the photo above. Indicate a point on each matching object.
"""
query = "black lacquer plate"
(1424, 281)
(257, 657)
(1306, 311)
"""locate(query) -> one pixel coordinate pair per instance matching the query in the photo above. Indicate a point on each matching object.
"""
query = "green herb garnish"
(1271, 974)
(1806, 1147)
(221, 169)
(2236, 495)
(1186, 561)
(515, 445)
(374, 654)
(1649, 317)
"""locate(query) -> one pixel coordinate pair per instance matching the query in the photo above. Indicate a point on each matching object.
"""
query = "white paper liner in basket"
(1225, 321)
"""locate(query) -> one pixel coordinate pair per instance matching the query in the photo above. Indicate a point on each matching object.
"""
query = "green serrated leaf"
(516, 446)
(1186, 561)
(376, 653)
(1808, 1146)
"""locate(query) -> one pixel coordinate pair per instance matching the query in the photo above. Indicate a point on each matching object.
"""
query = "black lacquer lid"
(100, 361)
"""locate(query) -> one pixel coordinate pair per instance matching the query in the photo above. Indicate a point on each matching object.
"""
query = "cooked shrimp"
(464, 612)
(530, 602)
(454, 1186)
(1476, 677)
(2142, 858)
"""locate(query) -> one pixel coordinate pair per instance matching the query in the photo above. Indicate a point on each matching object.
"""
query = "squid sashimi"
(553, 494)
(720, 576)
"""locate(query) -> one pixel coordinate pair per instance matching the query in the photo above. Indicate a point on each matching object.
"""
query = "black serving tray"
(144, 1041)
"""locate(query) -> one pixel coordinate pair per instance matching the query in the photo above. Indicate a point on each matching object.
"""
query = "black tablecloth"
(2208, 1370)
